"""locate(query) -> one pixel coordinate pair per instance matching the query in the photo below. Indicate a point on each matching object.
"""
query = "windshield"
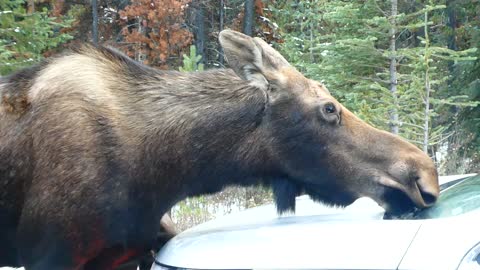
(455, 199)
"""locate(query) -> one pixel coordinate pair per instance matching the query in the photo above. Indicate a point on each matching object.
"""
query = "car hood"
(337, 239)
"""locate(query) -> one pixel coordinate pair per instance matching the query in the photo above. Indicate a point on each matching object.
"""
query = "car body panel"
(319, 237)
(257, 245)
(442, 243)
(260, 247)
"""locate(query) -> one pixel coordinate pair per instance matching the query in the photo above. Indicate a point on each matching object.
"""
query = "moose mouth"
(398, 199)
(397, 203)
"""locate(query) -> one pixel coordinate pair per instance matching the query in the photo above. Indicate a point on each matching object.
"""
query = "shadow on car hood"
(362, 209)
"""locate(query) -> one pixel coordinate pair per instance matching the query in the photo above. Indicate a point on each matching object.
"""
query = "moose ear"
(252, 58)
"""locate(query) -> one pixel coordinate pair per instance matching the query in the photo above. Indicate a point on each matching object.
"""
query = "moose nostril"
(428, 187)
(428, 198)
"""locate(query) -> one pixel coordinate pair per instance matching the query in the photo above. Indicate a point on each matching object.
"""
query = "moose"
(95, 148)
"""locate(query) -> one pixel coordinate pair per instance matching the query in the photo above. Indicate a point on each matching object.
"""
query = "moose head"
(319, 146)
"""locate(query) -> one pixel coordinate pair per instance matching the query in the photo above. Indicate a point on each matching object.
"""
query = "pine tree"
(192, 62)
(362, 50)
(24, 37)
(428, 72)
(344, 44)
(461, 31)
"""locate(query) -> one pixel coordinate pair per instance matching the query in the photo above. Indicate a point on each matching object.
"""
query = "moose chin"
(95, 148)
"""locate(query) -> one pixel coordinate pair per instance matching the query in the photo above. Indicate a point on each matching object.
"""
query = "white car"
(446, 236)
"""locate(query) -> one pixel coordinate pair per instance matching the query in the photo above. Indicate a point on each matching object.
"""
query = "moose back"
(95, 148)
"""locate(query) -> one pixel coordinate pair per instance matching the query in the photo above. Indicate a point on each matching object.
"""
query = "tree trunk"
(426, 129)
(139, 53)
(451, 42)
(220, 49)
(312, 57)
(451, 23)
(31, 6)
(248, 18)
(393, 70)
(199, 29)
(95, 22)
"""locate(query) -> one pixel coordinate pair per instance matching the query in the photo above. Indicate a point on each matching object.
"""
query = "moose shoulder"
(95, 148)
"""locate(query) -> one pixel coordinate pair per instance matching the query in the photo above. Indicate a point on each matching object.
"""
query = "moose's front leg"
(112, 258)
(55, 235)
(46, 249)
(81, 248)
(53, 250)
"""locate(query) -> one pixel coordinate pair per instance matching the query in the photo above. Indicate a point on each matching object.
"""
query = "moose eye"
(330, 108)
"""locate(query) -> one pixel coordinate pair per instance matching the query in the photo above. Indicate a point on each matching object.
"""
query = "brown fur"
(95, 148)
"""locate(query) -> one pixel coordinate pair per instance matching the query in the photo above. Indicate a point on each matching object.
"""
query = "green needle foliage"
(191, 62)
(346, 44)
(25, 37)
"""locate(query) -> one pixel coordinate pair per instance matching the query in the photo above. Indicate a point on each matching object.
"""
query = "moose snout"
(418, 180)
(427, 184)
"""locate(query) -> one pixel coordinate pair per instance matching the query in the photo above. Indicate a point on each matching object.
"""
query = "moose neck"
(210, 133)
